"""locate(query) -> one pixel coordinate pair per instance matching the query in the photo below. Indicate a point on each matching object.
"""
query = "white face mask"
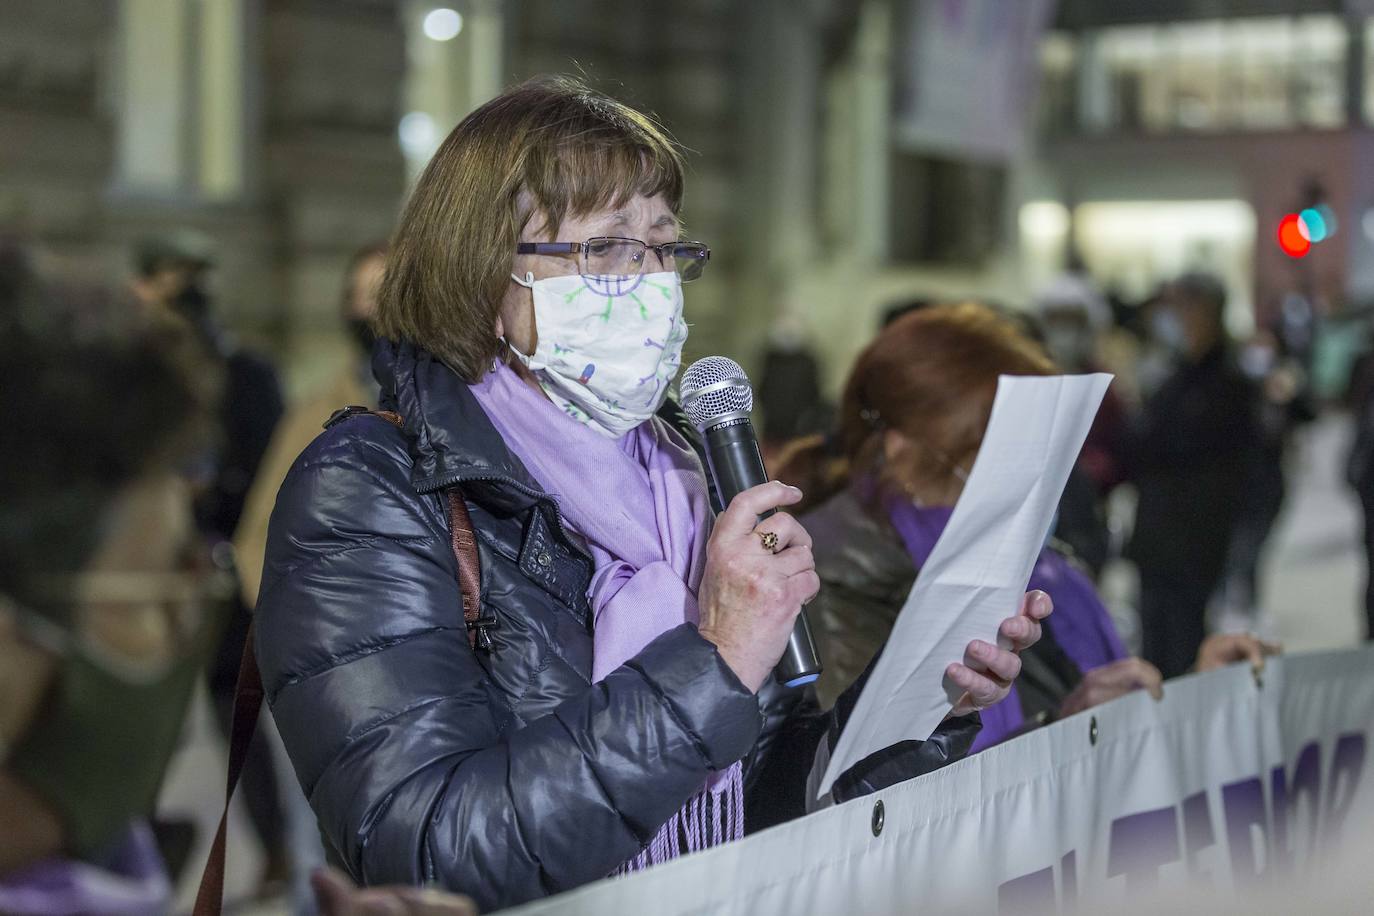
(1167, 329)
(1071, 348)
(604, 356)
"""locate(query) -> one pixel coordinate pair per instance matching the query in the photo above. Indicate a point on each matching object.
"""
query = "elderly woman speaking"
(616, 705)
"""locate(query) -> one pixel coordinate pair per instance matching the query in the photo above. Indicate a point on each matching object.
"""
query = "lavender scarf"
(642, 504)
(129, 880)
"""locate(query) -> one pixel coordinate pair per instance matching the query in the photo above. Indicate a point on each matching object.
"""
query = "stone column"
(154, 50)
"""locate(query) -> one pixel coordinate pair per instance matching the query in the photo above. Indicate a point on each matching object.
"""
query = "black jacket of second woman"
(506, 775)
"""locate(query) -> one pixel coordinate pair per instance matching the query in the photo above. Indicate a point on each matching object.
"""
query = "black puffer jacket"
(506, 775)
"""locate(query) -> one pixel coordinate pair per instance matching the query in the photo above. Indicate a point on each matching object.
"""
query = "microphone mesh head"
(715, 387)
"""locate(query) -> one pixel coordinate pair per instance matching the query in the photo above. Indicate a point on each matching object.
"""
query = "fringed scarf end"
(713, 816)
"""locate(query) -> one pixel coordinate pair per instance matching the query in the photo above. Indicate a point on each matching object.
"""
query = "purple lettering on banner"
(1068, 881)
(1347, 767)
(1140, 844)
(1243, 803)
(1306, 784)
(1032, 893)
(1197, 832)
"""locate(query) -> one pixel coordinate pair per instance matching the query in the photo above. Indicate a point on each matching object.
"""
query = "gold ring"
(769, 539)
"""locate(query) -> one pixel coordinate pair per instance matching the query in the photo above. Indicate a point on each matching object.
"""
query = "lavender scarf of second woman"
(642, 504)
(1081, 624)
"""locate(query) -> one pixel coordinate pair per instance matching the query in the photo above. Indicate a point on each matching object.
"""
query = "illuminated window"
(1262, 73)
(181, 136)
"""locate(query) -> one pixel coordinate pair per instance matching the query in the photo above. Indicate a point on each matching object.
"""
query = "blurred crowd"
(146, 446)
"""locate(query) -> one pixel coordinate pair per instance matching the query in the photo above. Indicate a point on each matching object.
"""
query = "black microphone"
(718, 399)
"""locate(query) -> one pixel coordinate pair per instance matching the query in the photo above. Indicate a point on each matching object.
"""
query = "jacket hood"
(452, 440)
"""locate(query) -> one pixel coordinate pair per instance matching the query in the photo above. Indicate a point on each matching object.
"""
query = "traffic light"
(1298, 232)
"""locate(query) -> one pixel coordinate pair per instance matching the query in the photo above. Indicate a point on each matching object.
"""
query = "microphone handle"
(732, 456)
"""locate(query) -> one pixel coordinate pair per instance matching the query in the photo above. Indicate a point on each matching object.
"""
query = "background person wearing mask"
(1189, 455)
(351, 385)
(914, 413)
(1073, 315)
(173, 273)
(108, 602)
(1283, 402)
(173, 276)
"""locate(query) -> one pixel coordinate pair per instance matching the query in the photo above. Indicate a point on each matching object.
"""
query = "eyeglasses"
(605, 259)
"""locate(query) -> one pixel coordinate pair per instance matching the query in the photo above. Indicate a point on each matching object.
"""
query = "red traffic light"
(1292, 238)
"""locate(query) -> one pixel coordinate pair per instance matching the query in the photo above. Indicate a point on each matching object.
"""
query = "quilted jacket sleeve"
(409, 758)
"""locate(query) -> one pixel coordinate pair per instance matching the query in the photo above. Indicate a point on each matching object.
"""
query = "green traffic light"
(1313, 224)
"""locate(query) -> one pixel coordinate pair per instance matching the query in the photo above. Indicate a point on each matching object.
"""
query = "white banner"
(1226, 781)
(968, 76)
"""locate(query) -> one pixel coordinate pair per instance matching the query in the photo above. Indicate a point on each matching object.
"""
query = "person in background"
(1072, 316)
(914, 412)
(904, 307)
(109, 604)
(351, 385)
(173, 276)
(1067, 319)
(1359, 475)
(1283, 403)
(789, 390)
(1189, 451)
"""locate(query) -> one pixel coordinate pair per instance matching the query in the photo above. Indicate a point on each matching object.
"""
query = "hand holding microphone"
(759, 565)
(751, 596)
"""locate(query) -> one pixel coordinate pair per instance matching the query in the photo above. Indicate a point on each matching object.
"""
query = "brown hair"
(551, 148)
(931, 375)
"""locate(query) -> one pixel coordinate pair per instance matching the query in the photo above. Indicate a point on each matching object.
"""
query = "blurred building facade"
(846, 154)
(1178, 134)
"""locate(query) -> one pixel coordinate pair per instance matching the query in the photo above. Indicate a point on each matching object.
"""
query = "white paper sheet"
(977, 574)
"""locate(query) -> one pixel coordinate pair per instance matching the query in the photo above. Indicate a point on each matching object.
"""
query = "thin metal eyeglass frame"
(580, 248)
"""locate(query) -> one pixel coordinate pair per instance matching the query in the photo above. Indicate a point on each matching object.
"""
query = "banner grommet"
(879, 817)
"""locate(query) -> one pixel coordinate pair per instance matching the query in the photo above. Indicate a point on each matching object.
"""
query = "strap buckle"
(483, 626)
(343, 413)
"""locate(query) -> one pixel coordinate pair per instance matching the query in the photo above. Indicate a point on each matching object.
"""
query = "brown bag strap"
(247, 702)
(248, 693)
(464, 541)
(469, 570)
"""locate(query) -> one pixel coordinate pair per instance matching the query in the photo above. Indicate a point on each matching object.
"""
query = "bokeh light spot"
(1312, 224)
(1291, 238)
(443, 24)
(417, 133)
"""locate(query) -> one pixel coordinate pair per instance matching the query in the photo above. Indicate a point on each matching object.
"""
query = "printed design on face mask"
(572, 410)
(615, 287)
(666, 369)
(612, 286)
(666, 291)
(595, 360)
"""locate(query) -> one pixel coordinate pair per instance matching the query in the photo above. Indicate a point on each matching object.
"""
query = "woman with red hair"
(912, 419)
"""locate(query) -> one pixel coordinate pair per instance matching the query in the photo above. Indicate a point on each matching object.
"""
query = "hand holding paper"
(978, 571)
(986, 672)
